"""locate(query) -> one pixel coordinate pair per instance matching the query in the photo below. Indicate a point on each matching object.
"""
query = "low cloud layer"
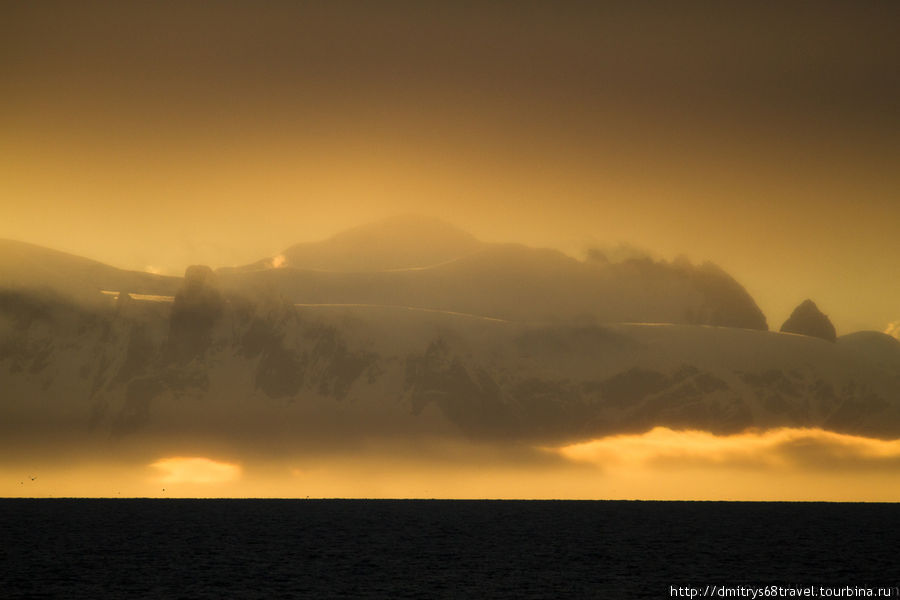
(787, 464)
(779, 449)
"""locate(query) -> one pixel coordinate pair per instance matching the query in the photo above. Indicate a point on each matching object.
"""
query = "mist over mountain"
(496, 342)
(426, 263)
(26, 266)
(401, 242)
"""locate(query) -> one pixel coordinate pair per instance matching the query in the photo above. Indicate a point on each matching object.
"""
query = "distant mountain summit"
(402, 242)
(807, 319)
(422, 262)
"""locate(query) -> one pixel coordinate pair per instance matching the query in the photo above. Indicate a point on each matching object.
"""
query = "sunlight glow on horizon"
(178, 469)
(772, 448)
(661, 464)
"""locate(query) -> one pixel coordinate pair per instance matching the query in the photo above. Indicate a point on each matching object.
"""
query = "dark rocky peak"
(807, 319)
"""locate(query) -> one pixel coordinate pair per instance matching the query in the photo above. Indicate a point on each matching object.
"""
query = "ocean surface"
(136, 548)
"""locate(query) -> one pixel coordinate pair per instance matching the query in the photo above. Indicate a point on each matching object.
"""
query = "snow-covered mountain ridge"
(305, 373)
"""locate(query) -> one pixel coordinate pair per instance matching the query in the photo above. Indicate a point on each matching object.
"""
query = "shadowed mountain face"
(196, 308)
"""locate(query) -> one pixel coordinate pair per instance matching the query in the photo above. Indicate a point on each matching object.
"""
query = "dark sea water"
(434, 549)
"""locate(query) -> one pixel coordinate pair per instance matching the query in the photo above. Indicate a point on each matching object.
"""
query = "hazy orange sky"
(764, 138)
(782, 464)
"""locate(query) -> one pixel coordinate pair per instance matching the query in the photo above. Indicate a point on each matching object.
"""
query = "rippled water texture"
(432, 549)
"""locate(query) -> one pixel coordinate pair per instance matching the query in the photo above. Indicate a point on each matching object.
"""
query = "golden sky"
(662, 464)
(763, 138)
